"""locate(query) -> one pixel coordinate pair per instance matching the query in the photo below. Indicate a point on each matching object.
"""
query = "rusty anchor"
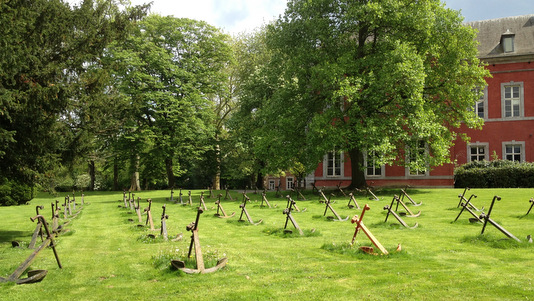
(408, 212)
(228, 195)
(463, 199)
(341, 190)
(405, 194)
(38, 229)
(164, 217)
(328, 206)
(138, 210)
(486, 218)
(149, 215)
(34, 275)
(202, 203)
(290, 201)
(399, 219)
(289, 217)
(264, 199)
(360, 226)
(244, 210)
(352, 199)
(466, 205)
(221, 209)
(531, 201)
(195, 243)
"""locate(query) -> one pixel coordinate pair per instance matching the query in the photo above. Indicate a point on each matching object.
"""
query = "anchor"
(244, 210)
(149, 215)
(195, 242)
(55, 216)
(202, 201)
(278, 194)
(300, 196)
(290, 202)
(462, 199)
(390, 210)
(172, 195)
(189, 199)
(341, 190)
(181, 198)
(532, 204)
(164, 217)
(352, 199)
(132, 201)
(405, 194)
(219, 207)
(124, 199)
(486, 218)
(138, 210)
(372, 238)
(289, 217)
(264, 199)
(212, 196)
(408, 212)
(228, 195)
(467, 206)
(38, 231)
(34, 275)
(328, 206)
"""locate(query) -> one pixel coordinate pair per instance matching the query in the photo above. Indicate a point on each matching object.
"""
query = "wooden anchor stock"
(38, 229)
(221, 209)
(195, 243)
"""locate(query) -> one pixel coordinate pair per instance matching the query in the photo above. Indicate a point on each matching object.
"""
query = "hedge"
(495, 174)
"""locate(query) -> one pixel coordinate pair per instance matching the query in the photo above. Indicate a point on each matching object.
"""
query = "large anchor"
(291, 202)
(244, 210)
(532, 204)
(149, 215)
(34, 275)
(195, 243)
(486, 218)
(405, 194)
(38, 229)
(264, 199)
(463, 199)
(352, 199)
(287, 212)
(466, 205)
(408, 212)
(328, 206)
(221, 209)
(372, 238)
(399, 219)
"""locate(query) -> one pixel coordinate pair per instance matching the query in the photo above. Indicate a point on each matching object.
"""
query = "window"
(512, 99)
(272, 185)
(416, 159)
(513, 151)
(373, 169)
(477, 152)
(507, 41)
(481, 104)
(334, 167)
(290, 183)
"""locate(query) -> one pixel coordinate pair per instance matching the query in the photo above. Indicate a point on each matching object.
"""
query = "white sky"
(235, 16)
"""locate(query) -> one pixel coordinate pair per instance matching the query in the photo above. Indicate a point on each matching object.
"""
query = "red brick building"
(507, 46)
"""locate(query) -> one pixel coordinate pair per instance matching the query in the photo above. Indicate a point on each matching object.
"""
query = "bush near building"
(495, 174)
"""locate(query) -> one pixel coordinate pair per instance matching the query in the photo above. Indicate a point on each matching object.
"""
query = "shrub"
(494, 174)
(13, 192)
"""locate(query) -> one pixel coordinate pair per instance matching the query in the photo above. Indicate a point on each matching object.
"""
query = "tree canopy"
(366, 77)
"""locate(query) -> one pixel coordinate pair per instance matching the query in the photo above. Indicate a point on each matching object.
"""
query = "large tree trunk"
(92, 175)
(170, 173)
(358, 171)
(134, 185)
(216, 185)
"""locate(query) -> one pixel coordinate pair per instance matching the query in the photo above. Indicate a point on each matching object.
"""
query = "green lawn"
(107, 257)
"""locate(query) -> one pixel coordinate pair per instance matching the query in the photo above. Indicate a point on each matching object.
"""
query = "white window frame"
(513, 100)
(326, 162)
(483, 102)
(290, 181)
(478, 145)
(374, 167)
(418, 173)
(272, 184)
(521, 145)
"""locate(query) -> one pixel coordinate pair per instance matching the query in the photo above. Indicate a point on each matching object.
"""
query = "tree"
(168, 69)
(367, 76)
(46, 46)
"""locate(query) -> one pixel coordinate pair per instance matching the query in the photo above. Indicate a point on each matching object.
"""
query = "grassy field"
(107, 257)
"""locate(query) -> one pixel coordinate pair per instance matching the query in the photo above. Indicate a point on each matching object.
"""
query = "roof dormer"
(507, 41)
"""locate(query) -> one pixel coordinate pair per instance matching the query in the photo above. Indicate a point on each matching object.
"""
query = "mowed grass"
(107, 257)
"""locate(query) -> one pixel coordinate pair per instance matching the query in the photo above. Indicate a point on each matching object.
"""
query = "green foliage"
(363, 75)
(13, 192)
(495, 174)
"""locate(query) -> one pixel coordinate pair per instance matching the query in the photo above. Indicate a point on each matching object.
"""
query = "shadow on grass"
(497, 242)
(8, 236)
(355, 251)
(291, 233)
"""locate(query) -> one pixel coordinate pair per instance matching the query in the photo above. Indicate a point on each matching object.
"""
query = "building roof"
(490, 33)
